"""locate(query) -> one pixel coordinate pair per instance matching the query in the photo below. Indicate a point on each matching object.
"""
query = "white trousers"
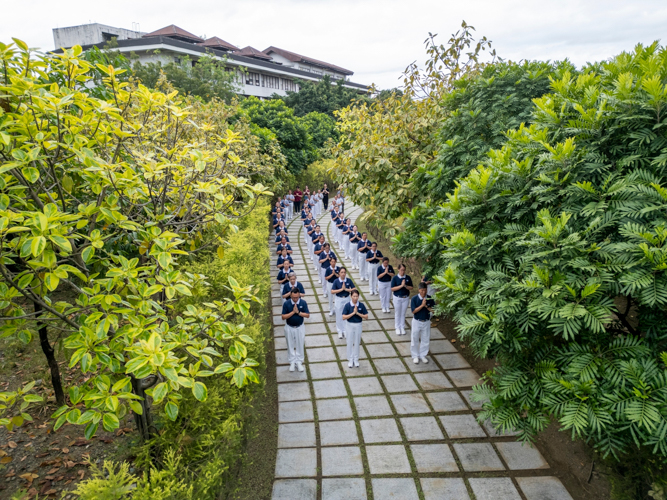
(385, 293)
(291, 209)
(421, 336)
(400, 307)
(323, 271)
(340, 323)
(331, 297)
(363, 268)
(312, 251)
(296, 338)
(355, 255)
(353, 334)
(339, 237)
(373, 273)
(309, 242)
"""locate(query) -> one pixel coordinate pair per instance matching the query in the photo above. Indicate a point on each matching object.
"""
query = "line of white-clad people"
(337, 286)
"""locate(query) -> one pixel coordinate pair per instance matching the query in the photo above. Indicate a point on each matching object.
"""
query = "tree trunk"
(144, 422)
(49, 352)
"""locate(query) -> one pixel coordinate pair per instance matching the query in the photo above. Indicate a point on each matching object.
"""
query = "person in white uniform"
(342, 287)
(373, 257)
(421, 306)
(294, 311)
(330, 275)
(385, 273)
(354, 312)
(293, 283)
(355, 237)
(363, 247)
(401, 284)
(325, 262)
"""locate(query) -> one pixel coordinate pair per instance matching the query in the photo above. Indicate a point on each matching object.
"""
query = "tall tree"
(324, 96)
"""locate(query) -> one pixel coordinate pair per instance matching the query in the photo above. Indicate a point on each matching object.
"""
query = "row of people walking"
(343, 295)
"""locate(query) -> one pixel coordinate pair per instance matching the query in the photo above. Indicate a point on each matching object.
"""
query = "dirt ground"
(570, 461)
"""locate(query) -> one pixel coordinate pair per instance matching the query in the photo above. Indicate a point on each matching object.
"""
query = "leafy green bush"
(555, 261)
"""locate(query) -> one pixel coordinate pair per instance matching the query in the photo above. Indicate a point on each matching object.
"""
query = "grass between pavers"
(415, 475)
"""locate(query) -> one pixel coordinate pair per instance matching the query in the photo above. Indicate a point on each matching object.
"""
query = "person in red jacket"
(297, 200)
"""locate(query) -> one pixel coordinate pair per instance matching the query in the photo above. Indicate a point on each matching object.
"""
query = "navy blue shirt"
(315, 236)
(281, 246)
(326, 264)
(287, 287)
(378, 256)
(338, 285)
(349, 309)
(295, 320)
(386, 277)
(424, 313)
(306, 223)
(396, 281)
(330, 275)
(355, 237)
(362, 244)
(288, 258)
(283, 275)
(279, 238)
(345, 229)
(303, 214)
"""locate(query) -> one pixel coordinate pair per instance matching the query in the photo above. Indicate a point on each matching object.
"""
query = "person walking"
(290, 206)
(363, 247)
(317, 250)
(385, 273)
(401, 284)
(325, 263)
(340, 202)
(341, 288)
(297, 199)
(331, 275)
(339, 230)
(347, 229)
(354, 312)
(355, 237)
(373, 258)
(421, 305)
(325, 197)
(294, 312)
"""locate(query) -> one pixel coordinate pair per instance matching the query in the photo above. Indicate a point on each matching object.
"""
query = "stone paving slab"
(380, 430)
(317, 341)
(372, 406)
(520, 456)
(284, 375)
(296, 462)
(478, 457)
(363, 370)
(338, 432)
(398, 488)
(399, 383)
(433, 381)
(543, 488)
(464, 378)
(373, 337)
(349, 488)
(325, 370)
(293, 392)
(445, 488)
(434, 458)
(333, 409)
(446, 401)
(389, 365)
(300, 435)
(329, 389)
(462, 426)
(294, 489)
(388, 459)
(295, 411)
(421, 429)
(317, 354)
(406, 404)
(364, 386)
(381, 350)
(493, 488)
(451, 361)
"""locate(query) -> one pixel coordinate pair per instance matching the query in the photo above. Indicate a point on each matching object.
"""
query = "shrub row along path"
(390, 428)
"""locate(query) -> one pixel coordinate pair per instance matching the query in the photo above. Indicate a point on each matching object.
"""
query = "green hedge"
(195, 457)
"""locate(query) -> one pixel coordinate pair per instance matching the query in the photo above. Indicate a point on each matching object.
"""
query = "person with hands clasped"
(283, 274)
(373, 258)
(363, 247)
(341, 288)
(294, 311)
(401, 284)
(284, 257)
(283, 244)
(355, 237)
(292, 283)
(330, 275)
(325, 262)
(421, 306)
(354, 312)
(385, 273)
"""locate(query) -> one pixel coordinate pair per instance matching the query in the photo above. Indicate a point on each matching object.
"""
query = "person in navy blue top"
(283, 258)
(285, 245)
(318, 246)
(401, 284)
(354, 312)
(421, 305)
(341, 288)
(363, 247)
(373, 258)
(292, 283)
(279, 239)
(283, 274)
(385, 273)
(294, 311)
(330, 275)
(325, 262)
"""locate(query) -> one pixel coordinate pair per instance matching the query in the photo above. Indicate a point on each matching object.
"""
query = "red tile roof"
(253, 52)
(294, 57)
(174, 31)
(216, 42)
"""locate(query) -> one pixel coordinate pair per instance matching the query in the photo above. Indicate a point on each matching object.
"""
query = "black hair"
(401, 266)
(295, 290)
(422, 286)
(354, 291)
(385, 259)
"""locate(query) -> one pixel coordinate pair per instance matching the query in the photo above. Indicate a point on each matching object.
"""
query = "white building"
(260, 73)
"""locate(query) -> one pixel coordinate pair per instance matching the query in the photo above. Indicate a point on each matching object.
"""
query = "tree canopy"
(323, 96)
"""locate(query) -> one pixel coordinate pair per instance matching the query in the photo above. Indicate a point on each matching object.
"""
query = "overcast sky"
(376, 39)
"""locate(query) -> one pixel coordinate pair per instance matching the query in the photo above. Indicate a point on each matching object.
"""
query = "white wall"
(88, 34)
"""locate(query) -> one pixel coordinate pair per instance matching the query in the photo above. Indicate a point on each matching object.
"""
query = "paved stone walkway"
(390, 428)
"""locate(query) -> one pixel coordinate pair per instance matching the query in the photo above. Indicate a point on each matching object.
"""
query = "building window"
(288, 85)
(252, 79)
(270, 82)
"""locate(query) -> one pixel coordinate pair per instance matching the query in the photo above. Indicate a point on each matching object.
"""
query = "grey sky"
(374, 38)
